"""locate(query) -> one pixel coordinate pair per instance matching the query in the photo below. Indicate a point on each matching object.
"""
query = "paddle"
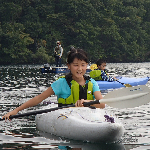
(127, 97)
(48, 110)
(126, 85)
(94, 66)
(119, 98)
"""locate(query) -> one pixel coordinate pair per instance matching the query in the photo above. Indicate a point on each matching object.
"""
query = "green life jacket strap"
(68, 78)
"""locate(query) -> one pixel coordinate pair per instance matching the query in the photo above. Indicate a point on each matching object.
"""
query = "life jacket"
(77, 91)
(96, 74)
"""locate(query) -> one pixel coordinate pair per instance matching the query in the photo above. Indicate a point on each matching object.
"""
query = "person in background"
(58, 51)
(100, 73)
(74, 88)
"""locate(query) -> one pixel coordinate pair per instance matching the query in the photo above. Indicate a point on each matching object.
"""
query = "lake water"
(20, 83)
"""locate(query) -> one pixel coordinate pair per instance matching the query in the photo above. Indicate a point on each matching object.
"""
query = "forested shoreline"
(118, 30)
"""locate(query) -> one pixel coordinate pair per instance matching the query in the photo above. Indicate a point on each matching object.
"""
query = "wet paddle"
(94, 66)
(119, 98)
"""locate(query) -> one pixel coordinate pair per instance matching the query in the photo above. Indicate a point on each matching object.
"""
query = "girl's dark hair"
(77, 53)
(100, 61)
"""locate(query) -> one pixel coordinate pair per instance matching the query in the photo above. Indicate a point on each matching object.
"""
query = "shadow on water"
(80, 145)
(48, 141)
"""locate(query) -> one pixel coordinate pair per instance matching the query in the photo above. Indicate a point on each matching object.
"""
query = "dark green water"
(20, 83)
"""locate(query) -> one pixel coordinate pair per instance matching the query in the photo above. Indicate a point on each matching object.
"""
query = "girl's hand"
(13, 112)
(79, 103)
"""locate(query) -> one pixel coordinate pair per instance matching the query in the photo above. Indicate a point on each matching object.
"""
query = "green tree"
(14, 44)
(115, 29)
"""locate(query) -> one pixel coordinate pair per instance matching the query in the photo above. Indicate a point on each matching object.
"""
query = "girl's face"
(77, 68)
(102, 66)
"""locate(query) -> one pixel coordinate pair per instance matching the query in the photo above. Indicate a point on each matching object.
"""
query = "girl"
(74, 88)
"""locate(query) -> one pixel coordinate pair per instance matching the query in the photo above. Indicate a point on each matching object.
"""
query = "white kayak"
(84, 124)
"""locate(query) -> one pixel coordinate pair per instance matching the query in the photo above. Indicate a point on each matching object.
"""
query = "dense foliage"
(114, 29)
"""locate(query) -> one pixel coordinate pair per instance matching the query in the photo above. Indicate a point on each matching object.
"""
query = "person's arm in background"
(55, 51)
(61, 49)
(106, 77)
(111, 78)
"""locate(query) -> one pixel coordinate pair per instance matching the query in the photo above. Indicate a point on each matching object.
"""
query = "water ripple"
(20, 83)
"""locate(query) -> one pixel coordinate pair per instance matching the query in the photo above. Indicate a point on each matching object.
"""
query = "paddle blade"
(127, 85)
(93, 66)
(128, 97)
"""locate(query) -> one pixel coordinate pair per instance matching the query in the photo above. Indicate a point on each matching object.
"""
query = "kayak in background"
(104, 85)
(55, 70)
(84, 123)
(48, 69)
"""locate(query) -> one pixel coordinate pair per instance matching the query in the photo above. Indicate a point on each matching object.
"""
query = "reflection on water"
(20, 83)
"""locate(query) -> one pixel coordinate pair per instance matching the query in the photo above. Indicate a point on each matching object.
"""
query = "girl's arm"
(98, 96)
(32, 102)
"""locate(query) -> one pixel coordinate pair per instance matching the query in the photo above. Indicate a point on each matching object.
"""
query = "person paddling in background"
(74, 88)
(58, 51)
(100, 73)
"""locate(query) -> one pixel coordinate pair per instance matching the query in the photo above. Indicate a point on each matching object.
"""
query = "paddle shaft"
(126, 85)
(49, 110)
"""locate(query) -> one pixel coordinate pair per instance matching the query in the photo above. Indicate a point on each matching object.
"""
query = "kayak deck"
(81, 124)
